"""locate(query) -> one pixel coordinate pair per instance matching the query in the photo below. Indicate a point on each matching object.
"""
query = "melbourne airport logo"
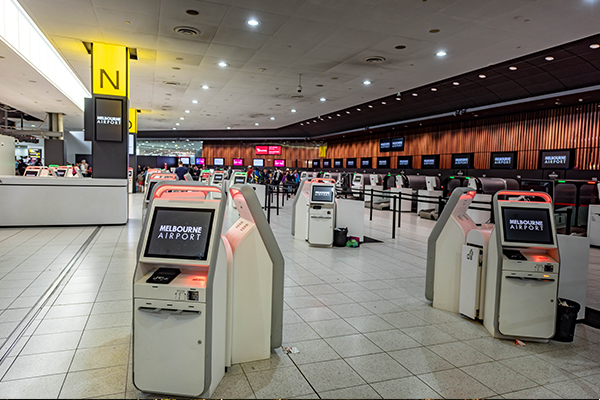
(179, 232)
(103, 120)
(321, 194)
(428, 161)
(461, 161)
(526, 225)
(555, 160)
(385, 145)
(502, 160)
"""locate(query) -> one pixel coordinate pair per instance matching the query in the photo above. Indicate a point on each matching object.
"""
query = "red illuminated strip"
(542, 195)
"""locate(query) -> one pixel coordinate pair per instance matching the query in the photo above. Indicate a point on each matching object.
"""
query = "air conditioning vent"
(171, 83)
(187, 30)
(296, 96)
(374, 59)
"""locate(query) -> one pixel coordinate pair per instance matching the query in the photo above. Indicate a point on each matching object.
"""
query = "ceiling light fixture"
(228, 127)
(340, 115)
(253, 22)
(195, 101)
(383, 102)
(415, 94)
(174, 129)
(594, 46)
(177, 123)
(205, 87)
(293, 110)
(181, 118)
(433, 89)
(440, 53)
(222, 64)
(455, 83)
(370, 106)
(549, 58)
(187, 111)
(366, 82)
(482, 76)
(358, 109)
(347, 112)
(398, 99)
(322, 99)
(256, 123)
(513, 68)
(272, 118)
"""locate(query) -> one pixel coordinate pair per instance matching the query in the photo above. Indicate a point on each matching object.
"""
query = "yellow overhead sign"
(110, 70)
(322, 151)
(132, 120)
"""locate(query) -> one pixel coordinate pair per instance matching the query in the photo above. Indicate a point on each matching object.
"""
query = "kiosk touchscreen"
(37, 171)
(238, 179)
(205, 176)
(255, 284)
(180, 293)
(152, 181)
(321, 214)
(523, 267)
(217, 179)
(147, 177)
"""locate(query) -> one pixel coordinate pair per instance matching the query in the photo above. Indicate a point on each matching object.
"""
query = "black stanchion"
(394, 218)
(277, 201)
(399, 209)
(268, 206)
(371, 207)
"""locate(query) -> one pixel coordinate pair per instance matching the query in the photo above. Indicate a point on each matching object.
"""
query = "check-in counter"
(49, 201)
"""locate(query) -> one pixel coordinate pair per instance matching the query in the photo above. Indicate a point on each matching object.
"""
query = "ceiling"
(325, 41)
(168, 147)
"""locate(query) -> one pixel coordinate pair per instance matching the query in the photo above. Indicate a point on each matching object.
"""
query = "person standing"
(21, 167)
(83, 168)
(181, 171)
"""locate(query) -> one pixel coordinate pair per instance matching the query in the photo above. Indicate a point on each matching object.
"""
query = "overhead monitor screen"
(274, 150)
(365, 163)
(261, 150)
(430, 162)
(180, 233)
(462, 161)
(218, 178)
(383, 162)
(397, 144)
(505, 160)
(239, 179)
(258, 162)
(200, 161)
(31, 172)
(322, 194)
(556, 159)
(338, 163)
(218, 161)
(131, 144)
(385, 145)
(404, 162)
(527, 225)
(350, 162)
(184, 160)
(61, 172)
(327, 163)
(279, 163)
(238, 162)
(316, 163)
(109, 118)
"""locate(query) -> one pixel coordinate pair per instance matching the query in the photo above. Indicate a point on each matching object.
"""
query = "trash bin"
(566, 319)
(340, 237)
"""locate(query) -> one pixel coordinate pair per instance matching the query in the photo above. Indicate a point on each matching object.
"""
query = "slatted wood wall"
(575, 127)
(229, 150)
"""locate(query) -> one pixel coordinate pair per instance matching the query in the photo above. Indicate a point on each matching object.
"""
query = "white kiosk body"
(431, 183)
(321, 216)
(237, 180)
(473, 272)
(357, 185)
(405, 204)
(444, 251)
(130, 180)
(152, 181)
(66, 171)
(300, 206)
(217, 179)
(205, 176)
(594, 224)
(179, 324)
(37, 171)
(523, 268)
(255, 283)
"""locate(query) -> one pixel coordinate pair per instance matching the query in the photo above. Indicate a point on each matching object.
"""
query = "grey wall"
(7, 155)
(55, 151)
(76, 145)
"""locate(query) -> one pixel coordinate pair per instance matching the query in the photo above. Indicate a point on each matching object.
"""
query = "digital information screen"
(239, 179)
(131, 144)
(238, 162)
(261, 150)
(200, 161)
(555, 159)
(258, 162)
(109, 117)
(180, 233)
(322, 194)
(218, 161)
(327, 163)
(31, 173)
(338, 163)
(462, 161)
(505, 160)
(150, 187)
(350, 162)
(218, 178)
(430, 162)
(397, 144)
(274, 150)
(404, 162)
(316, 164)
(184, 160)
(385, 145)
(383, 162)
(365, 162)
(279, 163)
(527, 225)
(60, 172)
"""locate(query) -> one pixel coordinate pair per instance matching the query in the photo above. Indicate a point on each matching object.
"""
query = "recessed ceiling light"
(293, 110)
(205, 87)
(455, 83)
(549, 58)
(228, 127)
(340, 115)
(594, 46)
(222, 64)
(195, 101)
(272, 118)
(347, 112)
(398, 98)
(366, 82)
(370, 106)
(253, 22)
(307, 123)
(256, 123)
(383, 102)
(174, 129)
(302, 123)
(433, 89)
(482, 76)
(177, 123)
(440, 53)
(358, 109)
(415, 94)
(323, 99)
(181, 118)
(187, 111)
(329, 116)
(513, 68)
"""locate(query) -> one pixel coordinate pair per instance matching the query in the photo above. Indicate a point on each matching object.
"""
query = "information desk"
(47, 201)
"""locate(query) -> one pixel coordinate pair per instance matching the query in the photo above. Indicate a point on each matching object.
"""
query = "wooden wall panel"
(230, 150)
(575, 127)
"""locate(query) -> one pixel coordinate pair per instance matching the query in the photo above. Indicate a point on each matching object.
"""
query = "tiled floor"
(357, 316)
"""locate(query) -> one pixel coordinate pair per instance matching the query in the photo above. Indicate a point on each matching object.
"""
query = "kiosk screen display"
(322, 194)
(258, 162)
(60, 172)
(185, 160)
(200, 161)
(31, 173)
(218, 178)
(218, 161)
(338, 163)
(239, 179)
(279, 163)
(150, 187)
(180, 233)
(405, 162)
(527, 225)
(350, 162)
(327, 163)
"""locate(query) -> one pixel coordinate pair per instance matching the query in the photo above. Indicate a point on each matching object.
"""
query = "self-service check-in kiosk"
(237, 180)
(431, 193)
(300, 207)
(180, 293)
(37, 171)
(149, 173)
(321, 213)
(218, 179)
(205, 176)
(66, 171)
(523, 267)
(486, 188)
(255, 284)
(130, 180)
(152, 181)
(357, 185)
